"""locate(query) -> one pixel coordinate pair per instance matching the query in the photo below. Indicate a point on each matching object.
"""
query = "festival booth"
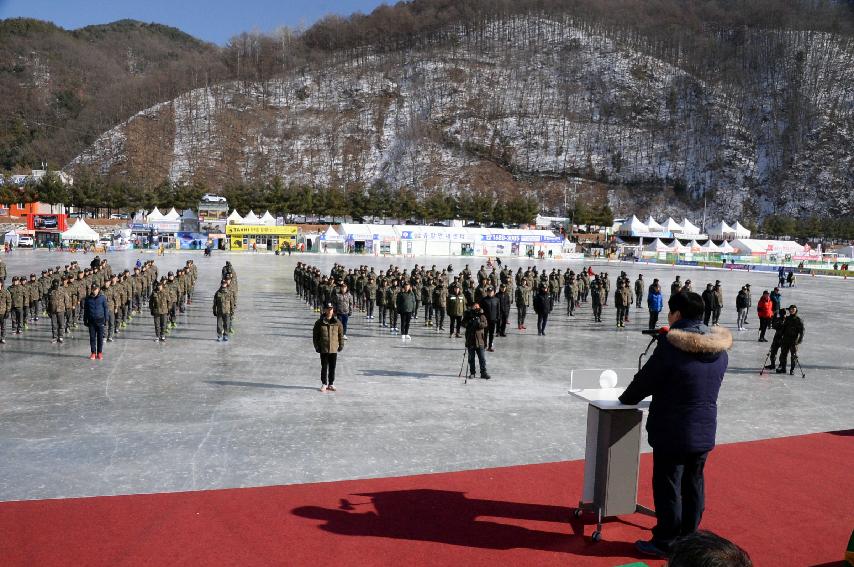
(189, 221)
(79, 232)
(376, 239)
(164, 227)
(653, 226)
(251, 219)
(46, 228)
(689, 229)
(672, 226)
(632, 226)
(710, 249)
(657, 249)
(234, 218)
(739, 231)
(331, 241)
(267, 219)
(254, 237)
(721, 231)
(771, 250)
(515, 242)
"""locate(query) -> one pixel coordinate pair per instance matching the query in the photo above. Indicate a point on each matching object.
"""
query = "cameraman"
(683, 376)
(475, 324)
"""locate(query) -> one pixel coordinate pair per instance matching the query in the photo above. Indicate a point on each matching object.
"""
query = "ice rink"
(195, 414)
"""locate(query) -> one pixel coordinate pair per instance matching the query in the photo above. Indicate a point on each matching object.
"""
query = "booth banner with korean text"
(243, 237)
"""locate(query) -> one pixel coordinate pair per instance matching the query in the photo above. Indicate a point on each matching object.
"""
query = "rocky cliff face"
(532, 104)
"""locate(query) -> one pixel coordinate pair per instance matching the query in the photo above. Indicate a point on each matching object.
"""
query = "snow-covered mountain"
(530, 104)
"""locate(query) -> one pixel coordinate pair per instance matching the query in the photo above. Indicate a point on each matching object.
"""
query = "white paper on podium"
(607, 398)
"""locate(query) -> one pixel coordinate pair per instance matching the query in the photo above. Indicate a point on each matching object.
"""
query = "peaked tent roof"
(727, 248)
(331, 235)
(154, 215)
(740, 231)
(689, 228)
(189, 214)
(672, 226)
(652, 225)
(658, 246)
(172, 215)
(251, 218)
(710, 246)
(267, 219)
(80, 231)
(633, 225)
(720, 229)
(234, 217)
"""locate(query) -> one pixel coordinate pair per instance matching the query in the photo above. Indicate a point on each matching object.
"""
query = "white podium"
(611, 456)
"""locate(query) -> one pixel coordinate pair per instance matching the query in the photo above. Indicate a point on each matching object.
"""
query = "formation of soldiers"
(60, 292)
(169, 296)
(57, 294)
(225, 303)
(440, 294)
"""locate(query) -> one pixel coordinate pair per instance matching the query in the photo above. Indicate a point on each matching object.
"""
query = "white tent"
(740, 231)
(749, 246)
(720, 231)
(658, 246)
(267, 219)
(631, 226)
(710, 246)
(80, 231)
(172, 215)
(154, 216)
(671, 225)
(688, 228)
(234, 218)
(653, 226)
(726, 248)
(331, 235)
(251, 218)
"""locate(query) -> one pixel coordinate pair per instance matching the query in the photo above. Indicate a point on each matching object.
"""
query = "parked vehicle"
(25, 242)
(212, 198)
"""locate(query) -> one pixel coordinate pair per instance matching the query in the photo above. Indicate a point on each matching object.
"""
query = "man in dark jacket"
(543, 305)
(489, 306)
(683, 376)
(709, 302)
(95, 315)
(777, 341)
(328, 336)
(406, 302)
(793, 335)
(503, 309)
(475, 324)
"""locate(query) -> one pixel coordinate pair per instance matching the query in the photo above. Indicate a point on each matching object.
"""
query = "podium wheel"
(577, 512)
(596, 536)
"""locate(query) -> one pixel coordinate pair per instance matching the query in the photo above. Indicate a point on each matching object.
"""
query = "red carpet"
(787, 501)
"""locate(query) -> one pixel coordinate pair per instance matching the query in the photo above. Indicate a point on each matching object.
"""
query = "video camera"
(656, 333)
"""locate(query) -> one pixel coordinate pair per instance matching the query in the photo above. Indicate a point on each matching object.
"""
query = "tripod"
(462, 366)
(795, 360)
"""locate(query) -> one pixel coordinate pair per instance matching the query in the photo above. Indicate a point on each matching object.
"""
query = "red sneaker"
(93, 356)
(100, 356)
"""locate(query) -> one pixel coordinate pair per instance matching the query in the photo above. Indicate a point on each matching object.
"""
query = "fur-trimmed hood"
(718, 339)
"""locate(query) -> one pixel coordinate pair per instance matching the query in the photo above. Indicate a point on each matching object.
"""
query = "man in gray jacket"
(343, 302)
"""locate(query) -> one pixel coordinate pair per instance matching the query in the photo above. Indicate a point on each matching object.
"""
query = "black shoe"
(650, 548)
(485, 376)
(781, 371)
(771, 366)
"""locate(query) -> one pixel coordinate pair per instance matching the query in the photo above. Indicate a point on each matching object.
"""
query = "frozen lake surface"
(194, 414)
